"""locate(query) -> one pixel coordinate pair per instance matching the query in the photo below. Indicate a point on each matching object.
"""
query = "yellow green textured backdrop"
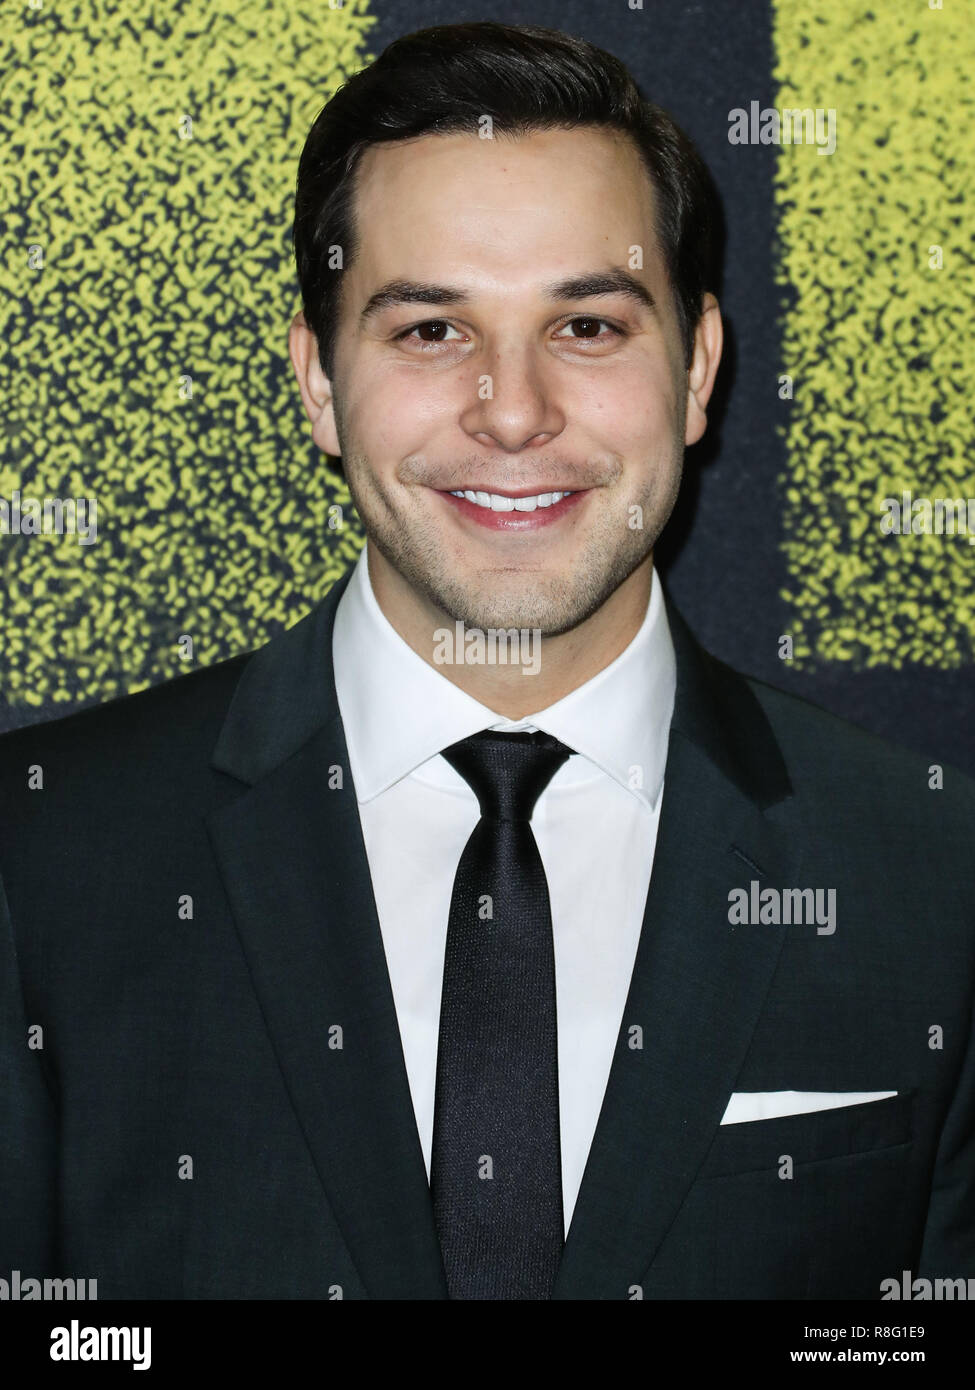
(150, 159)
(147, 283)
(878, 339)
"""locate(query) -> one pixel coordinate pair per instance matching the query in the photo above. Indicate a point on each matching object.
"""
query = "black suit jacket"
(191, 1128)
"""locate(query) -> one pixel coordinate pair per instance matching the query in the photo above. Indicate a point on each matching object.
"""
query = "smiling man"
(377, 965)
(514, 458)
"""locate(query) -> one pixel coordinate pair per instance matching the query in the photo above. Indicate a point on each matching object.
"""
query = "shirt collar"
(398, 711)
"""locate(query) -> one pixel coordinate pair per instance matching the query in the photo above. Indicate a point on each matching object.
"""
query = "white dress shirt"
(595, 825)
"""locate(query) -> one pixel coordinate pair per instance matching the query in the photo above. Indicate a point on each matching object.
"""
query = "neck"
(558, 665)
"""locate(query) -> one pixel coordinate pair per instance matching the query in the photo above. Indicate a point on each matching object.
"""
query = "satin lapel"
(294, 865)
(698, 983)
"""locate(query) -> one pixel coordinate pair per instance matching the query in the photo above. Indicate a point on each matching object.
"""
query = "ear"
(708, 341)
(314, 385)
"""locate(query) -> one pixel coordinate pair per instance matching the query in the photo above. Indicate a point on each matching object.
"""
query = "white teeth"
(497, 502)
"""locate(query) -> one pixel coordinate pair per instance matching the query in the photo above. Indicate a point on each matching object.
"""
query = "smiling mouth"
(508, 502)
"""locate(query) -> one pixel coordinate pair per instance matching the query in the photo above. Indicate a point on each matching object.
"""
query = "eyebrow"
(589, 285)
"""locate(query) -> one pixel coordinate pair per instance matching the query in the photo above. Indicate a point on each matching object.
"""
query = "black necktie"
(496, 1170)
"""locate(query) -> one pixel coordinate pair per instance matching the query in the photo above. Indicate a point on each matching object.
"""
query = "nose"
(515, 406)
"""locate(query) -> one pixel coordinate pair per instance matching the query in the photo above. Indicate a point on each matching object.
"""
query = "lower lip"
(515, 520)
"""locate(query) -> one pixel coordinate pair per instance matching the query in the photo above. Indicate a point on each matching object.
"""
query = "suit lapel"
(698, 984)
(294, 866)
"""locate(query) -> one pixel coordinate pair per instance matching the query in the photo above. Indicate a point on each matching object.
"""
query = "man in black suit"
(283, 940)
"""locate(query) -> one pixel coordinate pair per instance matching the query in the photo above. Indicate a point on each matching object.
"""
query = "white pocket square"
(768, 1105)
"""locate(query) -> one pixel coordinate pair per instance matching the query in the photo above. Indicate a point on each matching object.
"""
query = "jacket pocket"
(811, 1137)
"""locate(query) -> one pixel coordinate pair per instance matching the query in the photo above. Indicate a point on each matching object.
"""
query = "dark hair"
(444, 80)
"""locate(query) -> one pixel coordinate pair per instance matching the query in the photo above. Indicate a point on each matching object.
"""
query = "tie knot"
(507, 772)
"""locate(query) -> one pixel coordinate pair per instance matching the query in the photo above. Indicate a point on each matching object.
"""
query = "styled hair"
(444, 80)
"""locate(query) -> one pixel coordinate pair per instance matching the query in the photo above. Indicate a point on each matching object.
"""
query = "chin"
(551, 613)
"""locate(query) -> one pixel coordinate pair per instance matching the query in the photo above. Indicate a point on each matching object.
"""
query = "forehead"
(518, 208)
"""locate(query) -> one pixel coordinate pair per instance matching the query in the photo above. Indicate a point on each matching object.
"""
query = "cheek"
(396, 412)
(630, 412)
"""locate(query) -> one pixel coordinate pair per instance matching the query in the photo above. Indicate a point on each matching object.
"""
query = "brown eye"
(429, 333)
(591, 328)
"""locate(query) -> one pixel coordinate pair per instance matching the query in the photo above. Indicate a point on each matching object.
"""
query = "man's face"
(492, 382)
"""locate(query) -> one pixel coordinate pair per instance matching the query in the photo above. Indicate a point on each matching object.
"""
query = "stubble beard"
(516, 597)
